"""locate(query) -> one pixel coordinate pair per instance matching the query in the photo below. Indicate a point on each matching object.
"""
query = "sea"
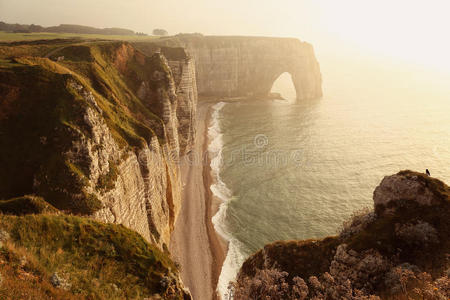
(287, 169)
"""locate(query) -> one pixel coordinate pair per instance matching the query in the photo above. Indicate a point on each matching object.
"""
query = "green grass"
(94, 257)
(26, 205)
(15, 37)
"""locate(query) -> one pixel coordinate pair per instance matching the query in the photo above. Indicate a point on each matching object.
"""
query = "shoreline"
(195, 244)
(218, 245)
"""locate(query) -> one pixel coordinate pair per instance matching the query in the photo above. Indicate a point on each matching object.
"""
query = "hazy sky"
(416, 31)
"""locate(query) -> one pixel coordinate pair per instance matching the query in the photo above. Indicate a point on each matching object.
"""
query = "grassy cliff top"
(33, 36)
(212, 41)
(93, 260)
(25, 205)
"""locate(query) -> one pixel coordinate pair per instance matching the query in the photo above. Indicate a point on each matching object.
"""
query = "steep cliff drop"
(248, 66)
(225, 67)
(96, 129)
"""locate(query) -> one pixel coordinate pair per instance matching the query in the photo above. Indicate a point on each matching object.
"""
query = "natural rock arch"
(284, 86)
(261, 85)
(248, 66)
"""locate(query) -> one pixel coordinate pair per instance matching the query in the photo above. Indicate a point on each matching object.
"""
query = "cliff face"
(183, 70)
(103, 132)
(397, 251)
(248, 66)
(184, 74)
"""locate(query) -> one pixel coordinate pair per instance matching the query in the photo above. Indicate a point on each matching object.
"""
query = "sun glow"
(410, 30)
(415, 31)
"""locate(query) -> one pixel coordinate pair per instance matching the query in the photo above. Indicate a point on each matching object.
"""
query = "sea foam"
(234, 258)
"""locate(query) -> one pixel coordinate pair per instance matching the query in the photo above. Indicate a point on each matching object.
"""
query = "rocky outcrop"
(248, 66)
(183, 71)
(398, 251)
(182, 67)
(405, 188)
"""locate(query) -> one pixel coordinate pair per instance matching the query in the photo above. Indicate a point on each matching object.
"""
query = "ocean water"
(296, 170)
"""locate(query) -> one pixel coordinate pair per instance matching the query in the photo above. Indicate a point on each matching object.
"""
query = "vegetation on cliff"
(26, 205)
(65, 257)
(44, 107)
(71, 112)
(400, 250)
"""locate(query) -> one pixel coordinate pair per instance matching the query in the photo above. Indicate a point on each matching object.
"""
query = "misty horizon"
(410, 32)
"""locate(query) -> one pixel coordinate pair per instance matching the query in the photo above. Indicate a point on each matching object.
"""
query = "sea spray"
(221, 191)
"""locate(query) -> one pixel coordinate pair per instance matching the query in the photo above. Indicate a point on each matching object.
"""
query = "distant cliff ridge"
(248, 66)
(64, 28)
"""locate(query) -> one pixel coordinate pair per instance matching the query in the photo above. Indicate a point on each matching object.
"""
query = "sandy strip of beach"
(195, 245)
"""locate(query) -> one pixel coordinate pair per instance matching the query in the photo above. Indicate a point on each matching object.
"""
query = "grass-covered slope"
(400, 250)
(64, 257)
(38, 111)
(26, 205)
(43, 103)
(33, 36)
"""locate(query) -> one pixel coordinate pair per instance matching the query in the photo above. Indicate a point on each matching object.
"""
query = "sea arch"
(248, 66)
(284, 86)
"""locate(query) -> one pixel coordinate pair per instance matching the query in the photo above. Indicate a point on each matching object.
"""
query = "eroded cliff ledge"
(248, 66)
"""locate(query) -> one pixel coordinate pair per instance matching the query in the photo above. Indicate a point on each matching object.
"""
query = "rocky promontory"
(398, 250)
